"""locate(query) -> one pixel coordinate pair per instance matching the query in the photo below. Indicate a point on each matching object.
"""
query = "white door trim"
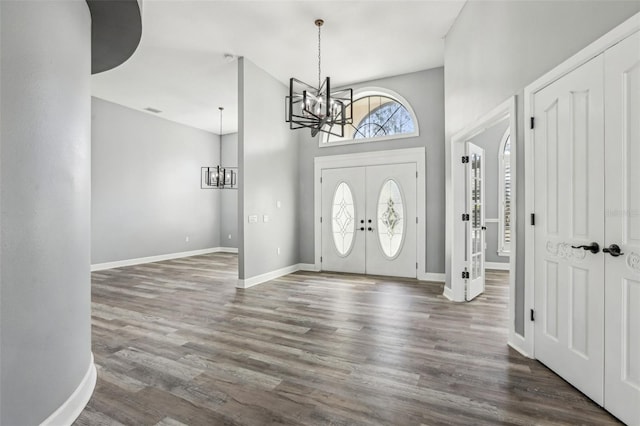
(375, 158)
(613, 37)
(455, 289)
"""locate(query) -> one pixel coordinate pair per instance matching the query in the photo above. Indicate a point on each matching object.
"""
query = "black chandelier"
(318, 108)
(218, 177)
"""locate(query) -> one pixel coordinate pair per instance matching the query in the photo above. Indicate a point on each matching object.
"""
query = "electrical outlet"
(278, 251)
(186, 239)
(278, 204)
(229, 236)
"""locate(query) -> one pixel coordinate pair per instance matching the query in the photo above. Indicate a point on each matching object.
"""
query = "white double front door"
(369, 220)
(587, 228)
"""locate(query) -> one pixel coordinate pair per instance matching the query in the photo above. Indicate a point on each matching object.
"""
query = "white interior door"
(475, 224)
(391, 220)
(343, 216)
(569, 200)
(369, 220)
(622, 177)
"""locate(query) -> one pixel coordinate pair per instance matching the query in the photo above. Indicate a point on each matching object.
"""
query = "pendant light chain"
(220, 144)
(319, 24)
(221, 109)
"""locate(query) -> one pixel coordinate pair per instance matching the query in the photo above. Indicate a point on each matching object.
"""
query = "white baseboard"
(160, 258)
(448, 293)
(497, 266)
(517, 342)
(310, 267)
(69, 411)
(430, 276)
(268, 276)
(226, 250)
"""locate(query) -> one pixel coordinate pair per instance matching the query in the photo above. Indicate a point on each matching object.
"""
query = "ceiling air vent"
(153, 110)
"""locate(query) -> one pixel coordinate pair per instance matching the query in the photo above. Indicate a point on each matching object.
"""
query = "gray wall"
(45, 346)
(496, 48)
(268, 160)
(146, 196)
(490, 141)
(229, 198)
(424, 91)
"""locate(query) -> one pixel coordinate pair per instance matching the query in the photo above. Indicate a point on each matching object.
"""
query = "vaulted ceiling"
(180, 66)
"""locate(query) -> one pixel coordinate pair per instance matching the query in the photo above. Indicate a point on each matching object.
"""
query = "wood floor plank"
(176, 344)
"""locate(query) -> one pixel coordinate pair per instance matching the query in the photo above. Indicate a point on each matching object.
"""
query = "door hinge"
(320, 259)
(416, 220)
(416, 175)
(465, 275)
(533, 122)
(416, 265)
(533, 219)
(533, 315)
(465, 159)
(320, 179)
(465, 217)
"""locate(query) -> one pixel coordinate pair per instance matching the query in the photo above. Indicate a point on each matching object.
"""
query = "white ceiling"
(180, 69)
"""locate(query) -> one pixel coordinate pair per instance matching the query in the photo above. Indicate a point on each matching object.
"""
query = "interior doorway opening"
(483, 219)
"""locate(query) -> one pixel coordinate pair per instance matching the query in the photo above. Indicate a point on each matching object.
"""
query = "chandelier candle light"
(318, 108)
(218, 177)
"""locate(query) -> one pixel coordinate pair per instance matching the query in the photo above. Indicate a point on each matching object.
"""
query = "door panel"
(550, 320)
(343, 200)
(475, 225)
(622, 290)
(391, 208)
(569, 199)
(579, 296)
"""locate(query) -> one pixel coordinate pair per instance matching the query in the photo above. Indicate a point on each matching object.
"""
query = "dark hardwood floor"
(175, 343)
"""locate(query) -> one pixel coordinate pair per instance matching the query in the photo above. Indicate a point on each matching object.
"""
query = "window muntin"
(505, 200)
(343, 224)
(377, 115)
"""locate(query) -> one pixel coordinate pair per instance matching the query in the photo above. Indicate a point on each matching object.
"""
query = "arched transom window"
(377, 115)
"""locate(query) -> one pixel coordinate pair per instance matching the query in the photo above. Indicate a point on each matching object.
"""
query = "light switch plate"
(253, 218)
(265, 218)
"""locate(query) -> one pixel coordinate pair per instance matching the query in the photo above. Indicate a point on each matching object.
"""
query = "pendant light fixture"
(219, 177)
(318, 108)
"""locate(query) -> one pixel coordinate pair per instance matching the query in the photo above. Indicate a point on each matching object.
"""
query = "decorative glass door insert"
(390, 218)
(343, 221)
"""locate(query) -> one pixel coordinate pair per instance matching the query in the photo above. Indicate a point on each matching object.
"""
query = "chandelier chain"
(221, 109)
(220, 144)
(319, 57)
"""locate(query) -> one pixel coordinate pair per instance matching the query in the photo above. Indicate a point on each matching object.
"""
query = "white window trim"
(503, 249)
(375, 91)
